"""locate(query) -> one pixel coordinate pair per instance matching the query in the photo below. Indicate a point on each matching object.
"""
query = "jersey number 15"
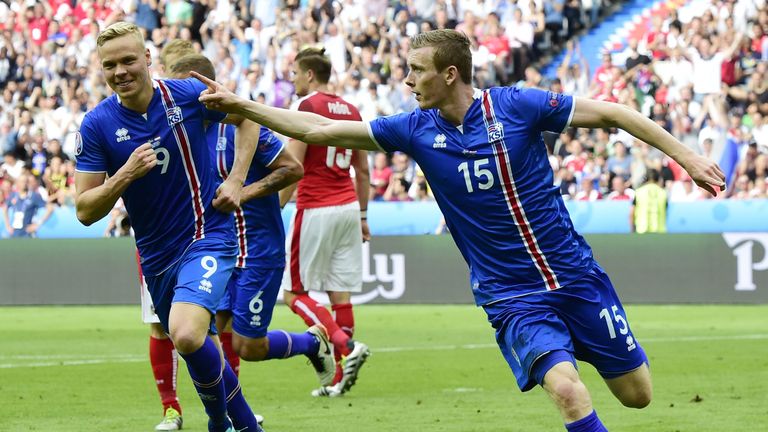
(483, 176)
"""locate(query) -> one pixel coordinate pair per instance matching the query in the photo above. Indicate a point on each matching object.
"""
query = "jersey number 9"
(163, 158)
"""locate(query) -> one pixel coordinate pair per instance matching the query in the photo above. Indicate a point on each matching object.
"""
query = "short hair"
(653, 175)
(118, 29)
(175, 49)
(194, 62)
(314, 59)
(451, 49)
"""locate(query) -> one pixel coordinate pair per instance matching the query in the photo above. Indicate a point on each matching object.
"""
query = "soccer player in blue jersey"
(252, 290)
(483, 155)
(148, 138)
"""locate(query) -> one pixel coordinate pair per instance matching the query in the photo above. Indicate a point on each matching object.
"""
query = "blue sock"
(283, 344)
(237, 408)
(589, 423)
(204, 367)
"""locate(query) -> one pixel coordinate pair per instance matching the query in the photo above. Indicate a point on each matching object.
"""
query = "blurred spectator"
(588, 191)
(684, 191)
(20, 208)
(11, 166)
(620, 164)
(380, 175)
(649, 208)
(620, 191)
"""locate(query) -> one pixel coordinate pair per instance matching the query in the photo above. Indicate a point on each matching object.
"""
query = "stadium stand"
(49, 76)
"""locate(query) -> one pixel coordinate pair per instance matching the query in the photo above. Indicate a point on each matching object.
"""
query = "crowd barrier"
(409, 218)
(423, 269)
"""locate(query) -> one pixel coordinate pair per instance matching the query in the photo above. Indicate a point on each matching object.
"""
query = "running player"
(534, 275)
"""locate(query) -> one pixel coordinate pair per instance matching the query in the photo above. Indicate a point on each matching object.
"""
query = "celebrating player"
(149, 138)
(252, 290)
(533, 274)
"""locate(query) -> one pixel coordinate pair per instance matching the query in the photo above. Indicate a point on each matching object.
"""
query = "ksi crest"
(495, 132)
(174, 115)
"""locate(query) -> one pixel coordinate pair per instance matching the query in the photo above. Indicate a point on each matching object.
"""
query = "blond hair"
(451, 49)
(174, 50)
(118, 29)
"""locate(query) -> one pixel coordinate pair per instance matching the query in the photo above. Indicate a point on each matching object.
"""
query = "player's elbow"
(84, 216)
(295, 172)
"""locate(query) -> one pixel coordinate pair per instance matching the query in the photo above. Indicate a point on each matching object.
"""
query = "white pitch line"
(72, 360)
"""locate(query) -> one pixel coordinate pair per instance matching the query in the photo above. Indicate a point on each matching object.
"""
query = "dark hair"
(652, 175)
(194, 62)
(314, 59)
(451, 49)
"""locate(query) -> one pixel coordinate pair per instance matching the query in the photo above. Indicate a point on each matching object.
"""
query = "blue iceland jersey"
(171, 206)
(258, 224)
(494, 184)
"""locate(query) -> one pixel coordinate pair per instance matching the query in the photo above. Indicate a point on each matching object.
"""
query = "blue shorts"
(585, 319)
(199, 277)
(251, 296)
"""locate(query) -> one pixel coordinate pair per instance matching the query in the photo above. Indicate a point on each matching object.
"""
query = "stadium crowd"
(699, 71)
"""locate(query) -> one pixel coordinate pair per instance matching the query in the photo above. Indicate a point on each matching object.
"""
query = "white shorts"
(148, 314)
(324, 250)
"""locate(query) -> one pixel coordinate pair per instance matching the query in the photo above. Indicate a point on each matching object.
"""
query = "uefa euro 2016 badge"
(495, 132)
(174, 115)
(78, 144)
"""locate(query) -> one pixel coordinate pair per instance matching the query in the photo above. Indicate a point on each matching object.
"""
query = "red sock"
(313, 313)
(232, 358)
(164, 360)
(344, 317)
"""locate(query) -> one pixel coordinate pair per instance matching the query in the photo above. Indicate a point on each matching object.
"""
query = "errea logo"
(439, 141)
(122, 135)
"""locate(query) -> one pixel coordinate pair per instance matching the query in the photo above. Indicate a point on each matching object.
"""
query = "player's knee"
(253, 349)
(639, 398)
(570, 395)
(187, 340)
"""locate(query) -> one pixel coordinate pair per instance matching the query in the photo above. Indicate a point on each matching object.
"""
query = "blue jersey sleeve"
(197, 87)
(89, 148)
(38, 200)
(268, 148)
(393, 133)
(545, 110)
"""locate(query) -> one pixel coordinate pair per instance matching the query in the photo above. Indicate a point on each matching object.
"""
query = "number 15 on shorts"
(622, 325)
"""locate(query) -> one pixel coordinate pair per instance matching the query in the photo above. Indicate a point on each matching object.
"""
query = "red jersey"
(326, 179)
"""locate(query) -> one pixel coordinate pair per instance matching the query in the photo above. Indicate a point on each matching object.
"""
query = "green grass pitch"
(434, 368)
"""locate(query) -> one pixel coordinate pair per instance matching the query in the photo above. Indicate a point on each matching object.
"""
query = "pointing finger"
(205, 80)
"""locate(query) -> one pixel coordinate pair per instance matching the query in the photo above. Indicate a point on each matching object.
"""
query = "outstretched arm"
(594, 114)
(304, 126)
